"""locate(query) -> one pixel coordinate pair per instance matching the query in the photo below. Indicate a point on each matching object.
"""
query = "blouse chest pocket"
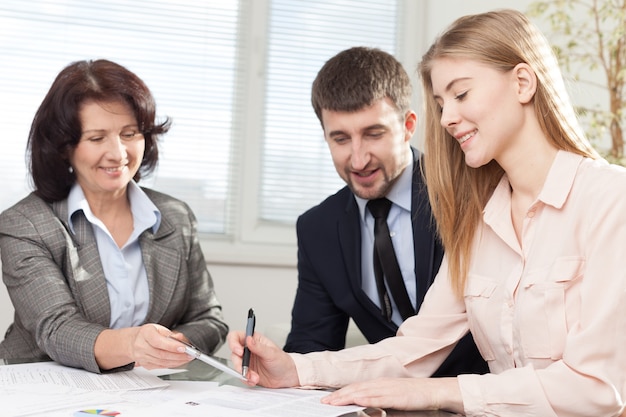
(548, 305)
(479, 305)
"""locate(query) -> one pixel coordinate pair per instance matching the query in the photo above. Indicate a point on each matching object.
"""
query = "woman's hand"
(401, 394)
(151, 346)
(270, 366)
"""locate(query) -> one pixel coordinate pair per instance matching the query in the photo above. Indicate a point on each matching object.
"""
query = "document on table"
(62, 391)
(240, 401)
(53, 373)
(44, 399)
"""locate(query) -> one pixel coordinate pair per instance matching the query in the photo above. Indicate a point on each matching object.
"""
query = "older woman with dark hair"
(103, 274)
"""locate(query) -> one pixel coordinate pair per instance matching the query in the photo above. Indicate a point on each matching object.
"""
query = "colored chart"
(91, 413)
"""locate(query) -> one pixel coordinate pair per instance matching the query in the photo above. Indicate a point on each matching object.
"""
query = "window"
(186, 53)
(294, 154)
(245, 149)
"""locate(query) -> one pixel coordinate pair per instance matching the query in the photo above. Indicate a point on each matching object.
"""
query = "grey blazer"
(57, 285)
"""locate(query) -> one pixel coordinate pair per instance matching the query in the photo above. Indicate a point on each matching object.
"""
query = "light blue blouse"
(127, 281)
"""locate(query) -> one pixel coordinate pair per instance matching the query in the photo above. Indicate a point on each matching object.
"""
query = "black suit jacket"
(329, 278)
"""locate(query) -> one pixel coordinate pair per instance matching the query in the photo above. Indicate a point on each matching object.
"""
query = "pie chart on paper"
(91, 413)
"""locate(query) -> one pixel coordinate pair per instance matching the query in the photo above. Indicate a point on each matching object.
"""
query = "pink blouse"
(548, 315)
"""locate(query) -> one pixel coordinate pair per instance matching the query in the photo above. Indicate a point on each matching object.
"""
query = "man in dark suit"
(362, 99)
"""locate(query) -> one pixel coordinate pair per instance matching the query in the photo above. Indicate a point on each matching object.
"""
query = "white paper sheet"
(235, 401)
(45, 399)
(53, 373)
(47, 389)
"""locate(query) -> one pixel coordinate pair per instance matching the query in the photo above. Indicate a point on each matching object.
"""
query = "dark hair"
(356, 78)
(56, 129)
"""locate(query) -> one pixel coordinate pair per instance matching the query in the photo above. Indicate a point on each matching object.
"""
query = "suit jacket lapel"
(349, 230)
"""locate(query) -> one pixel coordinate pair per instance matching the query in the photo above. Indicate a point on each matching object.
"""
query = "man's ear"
(526, 82)
(410, 124)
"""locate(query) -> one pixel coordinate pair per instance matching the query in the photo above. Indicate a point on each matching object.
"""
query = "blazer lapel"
(83, 267)
(86, 277)
(162, 261)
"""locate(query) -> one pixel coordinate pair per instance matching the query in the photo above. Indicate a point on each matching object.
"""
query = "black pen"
(249, 332)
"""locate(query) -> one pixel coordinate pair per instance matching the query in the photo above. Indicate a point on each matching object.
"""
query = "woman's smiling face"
(110, 149)
(480, 107)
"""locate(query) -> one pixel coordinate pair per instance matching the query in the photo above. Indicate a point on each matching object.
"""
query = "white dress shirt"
(401, 230)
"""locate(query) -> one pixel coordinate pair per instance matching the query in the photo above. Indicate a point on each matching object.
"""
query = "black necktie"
(386, 263)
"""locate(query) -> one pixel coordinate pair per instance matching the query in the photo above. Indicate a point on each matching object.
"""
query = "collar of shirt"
(560, 179)
(400, 193)
(145, 213)
(554, 192)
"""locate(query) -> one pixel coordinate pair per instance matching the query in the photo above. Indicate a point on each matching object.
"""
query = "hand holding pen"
(272, 368)
(246, 352)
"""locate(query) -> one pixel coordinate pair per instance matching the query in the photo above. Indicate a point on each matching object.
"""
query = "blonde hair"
(458, 193)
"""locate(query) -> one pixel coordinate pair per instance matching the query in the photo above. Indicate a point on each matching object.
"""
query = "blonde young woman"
(532, 223)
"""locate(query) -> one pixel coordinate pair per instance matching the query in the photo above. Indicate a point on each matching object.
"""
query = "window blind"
(297, 170)
(185, 51)
(194, 56)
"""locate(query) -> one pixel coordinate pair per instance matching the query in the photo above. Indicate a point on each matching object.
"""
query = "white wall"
(268, 290)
